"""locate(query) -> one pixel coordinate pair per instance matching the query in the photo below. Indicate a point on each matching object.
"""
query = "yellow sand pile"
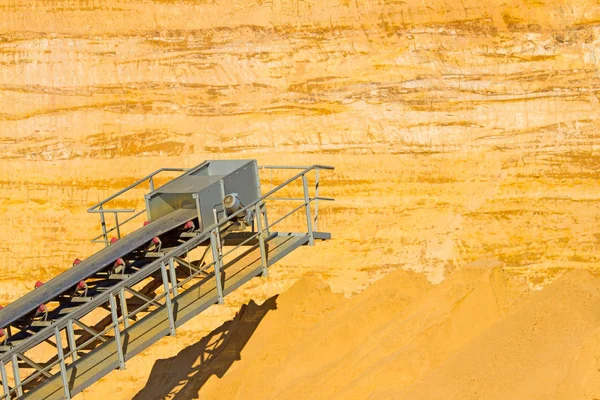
(478, 335)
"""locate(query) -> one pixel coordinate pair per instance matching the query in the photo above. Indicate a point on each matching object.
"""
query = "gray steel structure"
(163, 289)
(204, 188)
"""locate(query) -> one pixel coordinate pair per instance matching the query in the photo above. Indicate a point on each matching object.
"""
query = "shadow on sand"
(181, 377)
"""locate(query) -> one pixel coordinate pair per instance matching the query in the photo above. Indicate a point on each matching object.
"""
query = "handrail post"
(115, 321)
(163, 274)
(63, 367)
(4, 380)
(311, 238)
(103, 225)
(173, 275)
(71, 340)
(17, 375)
(117, 225)
(261, 240)
(124, 311)
(264, 213)
(316, 224)
(99, 207)
(214, 239)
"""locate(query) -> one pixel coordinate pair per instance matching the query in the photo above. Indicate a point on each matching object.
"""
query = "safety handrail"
(98, 208)
(117, 227)
(92, 209)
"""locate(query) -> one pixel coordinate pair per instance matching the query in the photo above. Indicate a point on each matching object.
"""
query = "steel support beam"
(267, 227)
(142, 297)
(261, 240)
(17, 375)
(214, 243)
(189, 265)
(173, 277)
(71, 340)
(103, 225)
(222, 187)
(4, 380)
(35, 365)
(124, 311)
(115, 320)
(316, 220)
(63, 367)
(89, 330)
(117, 225)
(311, 238)
(163, 272)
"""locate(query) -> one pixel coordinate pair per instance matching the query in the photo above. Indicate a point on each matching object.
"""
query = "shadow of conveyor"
(181, 377)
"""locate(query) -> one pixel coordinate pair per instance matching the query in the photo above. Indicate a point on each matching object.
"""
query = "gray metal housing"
(204, 188)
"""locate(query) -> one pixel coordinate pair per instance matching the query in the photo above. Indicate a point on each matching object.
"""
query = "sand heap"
(479, 334)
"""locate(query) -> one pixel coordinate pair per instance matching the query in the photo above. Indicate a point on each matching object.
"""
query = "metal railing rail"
(99, 207)
(296, 167)
(170, 284)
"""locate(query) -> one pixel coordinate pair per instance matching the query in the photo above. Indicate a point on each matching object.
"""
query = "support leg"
(261, 241)
(311, 239)
(4, 380)
(103, 226)
(214, 243)
(63, 367)
(17, 375)
(173, 276)
(163, 272)
(115, 319)
(124, 311)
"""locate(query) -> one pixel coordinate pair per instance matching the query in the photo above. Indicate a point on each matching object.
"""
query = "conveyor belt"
(91, 367)
(90, 266)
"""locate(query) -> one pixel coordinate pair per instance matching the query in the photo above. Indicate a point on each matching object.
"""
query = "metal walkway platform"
(82, 338)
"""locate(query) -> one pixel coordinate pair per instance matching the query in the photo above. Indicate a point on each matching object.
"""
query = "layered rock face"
(458, 129)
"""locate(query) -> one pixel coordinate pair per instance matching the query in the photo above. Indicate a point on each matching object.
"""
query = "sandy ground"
(458, 130)
(480, 334)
